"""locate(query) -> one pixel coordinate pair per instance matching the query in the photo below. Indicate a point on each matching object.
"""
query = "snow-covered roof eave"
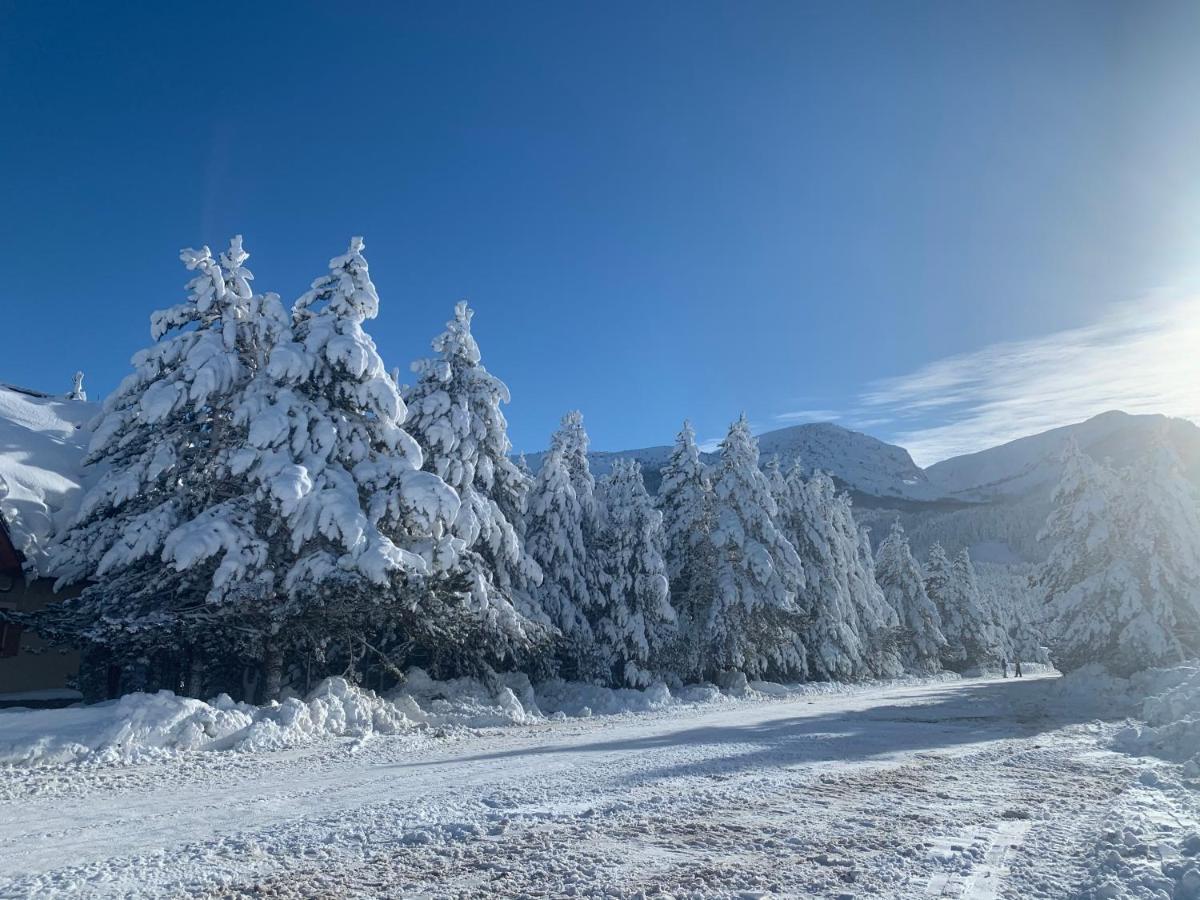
(42, 443)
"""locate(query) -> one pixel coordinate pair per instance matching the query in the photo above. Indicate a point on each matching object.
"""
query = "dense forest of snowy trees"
(272, 506)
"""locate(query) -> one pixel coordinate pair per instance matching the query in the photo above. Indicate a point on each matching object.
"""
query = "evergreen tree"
(940, 586)
(1164, 542)
(685, 496)
(633, 619)
(168, 534)
(753, 623)
(559, 527)
(1121, 580)
(982, 633)
(573, 441)
(966, 626)
(899, 577)
(363, 543)
(454, 414)
(878, 619)
(851, 628)
(776, 480)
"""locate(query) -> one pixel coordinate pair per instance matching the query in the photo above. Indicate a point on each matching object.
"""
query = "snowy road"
(955, 789)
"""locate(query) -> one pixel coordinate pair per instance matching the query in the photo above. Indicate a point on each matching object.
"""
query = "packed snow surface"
(42, 442)
(954, 788)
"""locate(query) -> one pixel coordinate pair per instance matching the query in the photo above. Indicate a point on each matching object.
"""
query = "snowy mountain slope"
(1002, 495)
(863, 463)
(1031, 464)
(42, 442)
(858, 461)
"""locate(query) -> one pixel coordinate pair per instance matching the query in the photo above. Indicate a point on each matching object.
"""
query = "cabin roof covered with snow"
(42, 442)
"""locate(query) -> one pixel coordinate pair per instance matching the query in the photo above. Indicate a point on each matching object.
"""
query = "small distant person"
(1004, 667)
(1017, 669)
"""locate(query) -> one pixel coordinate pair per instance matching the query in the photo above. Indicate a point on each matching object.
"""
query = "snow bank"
(1171, 713)
(42, 443)
(146, 726)
(1166, 701)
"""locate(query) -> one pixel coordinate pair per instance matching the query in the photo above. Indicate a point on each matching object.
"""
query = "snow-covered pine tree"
(633, 621)
(574, 441)
(685, 495)
(559, 528)
(850, 626)
(753, 623)
(899, 577)
(686, 498)
(360, 535)
(169, 533)
(970, 638)
(983, 632)
(454, 414)
(879, 621)
(1164, 534)
(776, 480)
(941, 588)
(1121, 579)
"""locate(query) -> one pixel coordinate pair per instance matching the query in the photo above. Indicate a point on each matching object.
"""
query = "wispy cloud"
(1140, 358)
(808, 415)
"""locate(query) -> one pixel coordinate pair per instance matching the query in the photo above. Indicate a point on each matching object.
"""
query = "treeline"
(272, 506)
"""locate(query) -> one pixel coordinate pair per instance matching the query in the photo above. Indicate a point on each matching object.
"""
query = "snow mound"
(1166, 703)
(468, 702)
(1171, 713)
(146, 726)
(1093, 691)
(335, 708)
(135, 727)
(42, 443)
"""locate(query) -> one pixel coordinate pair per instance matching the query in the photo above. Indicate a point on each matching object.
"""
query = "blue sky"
(877, 213)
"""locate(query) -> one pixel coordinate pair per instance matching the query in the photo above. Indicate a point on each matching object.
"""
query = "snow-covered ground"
(973, 788)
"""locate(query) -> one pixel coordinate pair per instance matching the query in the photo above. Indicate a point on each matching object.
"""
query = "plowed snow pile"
(140, 726)
(1171, 712)
(1165, 703)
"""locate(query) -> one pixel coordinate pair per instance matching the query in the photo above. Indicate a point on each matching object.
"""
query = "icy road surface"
(953, 789)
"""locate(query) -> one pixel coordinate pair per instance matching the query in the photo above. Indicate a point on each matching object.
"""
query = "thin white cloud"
(1140, 358)
(808, 415)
